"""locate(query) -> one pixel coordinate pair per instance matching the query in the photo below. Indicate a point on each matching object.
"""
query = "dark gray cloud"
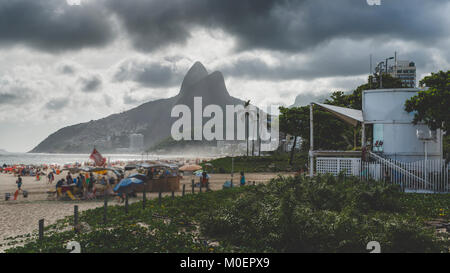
(335, 60)
(90, 83)
(8, 98)
(148, 73)
(257, 69)
(53, 25)
(57, 104)
(67, 69)
(281, 25)
(15, 95)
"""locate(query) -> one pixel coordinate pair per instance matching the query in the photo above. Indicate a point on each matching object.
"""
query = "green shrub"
(289, 214)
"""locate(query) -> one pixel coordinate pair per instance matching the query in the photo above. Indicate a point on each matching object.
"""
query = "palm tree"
(249, 114)
(246, 105)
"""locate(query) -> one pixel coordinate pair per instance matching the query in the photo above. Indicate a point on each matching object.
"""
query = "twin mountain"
(152, 119)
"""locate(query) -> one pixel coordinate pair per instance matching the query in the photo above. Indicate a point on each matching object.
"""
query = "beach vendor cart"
(77, 190)
(157, 177)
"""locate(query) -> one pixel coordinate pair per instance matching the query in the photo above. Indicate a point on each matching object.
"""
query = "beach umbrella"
(118, 173)
(200, 174)
(138, 176)
(190, 168)
(130, 167)
(144, 165)
(127, 184)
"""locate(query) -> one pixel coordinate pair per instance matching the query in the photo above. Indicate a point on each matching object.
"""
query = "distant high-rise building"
(405, 71)
(136, 142)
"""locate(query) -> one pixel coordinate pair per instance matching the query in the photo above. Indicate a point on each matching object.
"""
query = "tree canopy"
(329, 132)
(432, 106)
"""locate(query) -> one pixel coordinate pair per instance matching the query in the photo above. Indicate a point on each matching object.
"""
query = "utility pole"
(259, 137)
(390, 58)
(370, 72)
(311, 141)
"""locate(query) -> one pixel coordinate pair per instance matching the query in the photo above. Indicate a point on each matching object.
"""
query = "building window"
(377, 145)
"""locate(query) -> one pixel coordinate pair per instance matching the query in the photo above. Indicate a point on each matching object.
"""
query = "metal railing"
(431, 176)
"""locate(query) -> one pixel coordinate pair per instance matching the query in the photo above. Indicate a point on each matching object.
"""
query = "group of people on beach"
(23, 170)
(84, 186)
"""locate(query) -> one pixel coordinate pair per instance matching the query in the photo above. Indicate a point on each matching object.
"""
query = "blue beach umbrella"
(200, 175)
(138, 176)
(127, 183)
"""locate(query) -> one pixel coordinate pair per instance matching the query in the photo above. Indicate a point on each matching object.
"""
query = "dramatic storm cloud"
(90, 84)
(53, 25)
(148, 73)
(280, 25)
(66, 62)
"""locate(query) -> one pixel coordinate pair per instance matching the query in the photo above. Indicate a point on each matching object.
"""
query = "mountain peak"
(143, 119)
(195, 73)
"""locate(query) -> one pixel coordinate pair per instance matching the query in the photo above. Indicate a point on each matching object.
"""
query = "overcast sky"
(63, 63)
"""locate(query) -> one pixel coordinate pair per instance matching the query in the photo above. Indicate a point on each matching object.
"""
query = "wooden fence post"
(105, 208)
(159, 198)
(41, 229)
(126, 203)
(75, 218)
(193, 186)
(144, 198)
(173, 195)
(184, 188)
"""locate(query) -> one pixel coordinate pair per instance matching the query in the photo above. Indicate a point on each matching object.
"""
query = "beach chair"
(51, 194)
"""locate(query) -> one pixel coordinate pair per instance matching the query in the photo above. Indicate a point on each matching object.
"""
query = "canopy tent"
(191, 168)
(88, 169)
(348, 115)
(351, 116)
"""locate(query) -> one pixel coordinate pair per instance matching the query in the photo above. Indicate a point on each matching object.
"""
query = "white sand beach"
(22, 215)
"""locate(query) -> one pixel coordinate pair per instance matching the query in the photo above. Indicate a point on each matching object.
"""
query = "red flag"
(97, 157)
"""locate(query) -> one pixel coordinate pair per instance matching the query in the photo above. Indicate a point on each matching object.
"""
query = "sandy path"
(22, 216)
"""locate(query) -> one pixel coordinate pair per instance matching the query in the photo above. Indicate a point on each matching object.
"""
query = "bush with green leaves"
(289, 214)
(324, 214)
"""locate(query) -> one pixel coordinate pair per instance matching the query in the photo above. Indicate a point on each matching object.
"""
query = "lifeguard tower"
(397, 151)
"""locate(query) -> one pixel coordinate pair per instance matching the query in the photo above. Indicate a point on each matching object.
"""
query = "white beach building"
(397, 151)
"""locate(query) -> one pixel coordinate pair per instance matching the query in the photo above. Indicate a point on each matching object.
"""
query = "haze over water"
(61, 159)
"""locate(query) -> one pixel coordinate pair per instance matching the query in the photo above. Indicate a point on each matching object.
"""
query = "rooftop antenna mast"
(395, 70)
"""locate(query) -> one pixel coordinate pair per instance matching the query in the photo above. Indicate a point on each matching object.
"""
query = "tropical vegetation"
(289, 214)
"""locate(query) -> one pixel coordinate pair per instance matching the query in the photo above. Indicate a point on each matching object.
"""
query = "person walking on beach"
(204, 180)
(19, 183)
(242, 179)
(51, 177)
(69, 178)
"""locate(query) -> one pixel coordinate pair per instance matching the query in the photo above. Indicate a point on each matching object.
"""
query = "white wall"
(386, 107)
